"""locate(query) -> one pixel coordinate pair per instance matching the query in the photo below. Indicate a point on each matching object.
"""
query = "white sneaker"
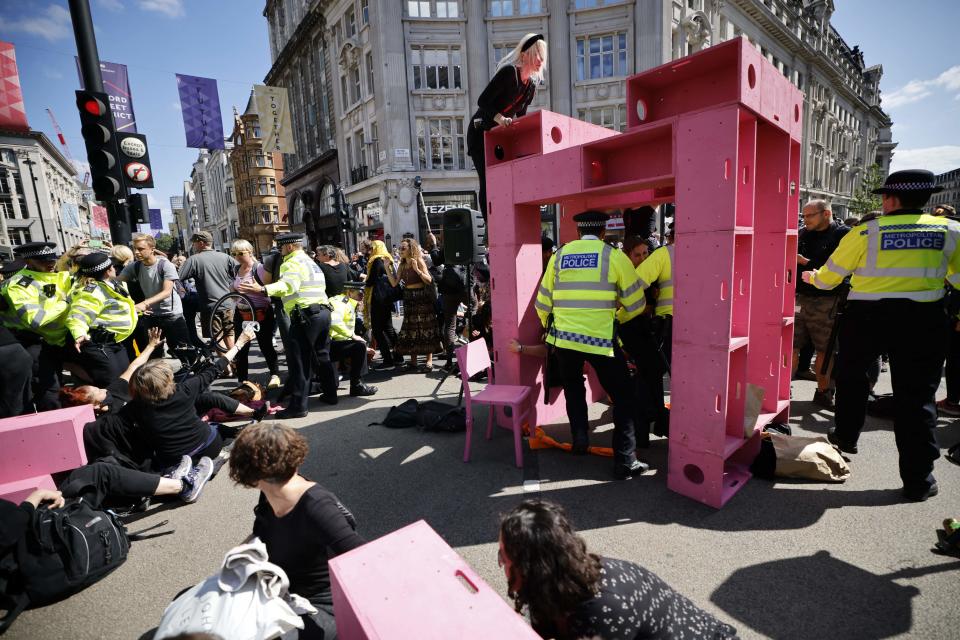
(274, 382)
(195, 480)
(181, 470)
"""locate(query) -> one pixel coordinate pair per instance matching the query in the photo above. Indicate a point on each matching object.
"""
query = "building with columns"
(406, 74)
(40, 198)
(219, 201)
(950, 181)
(261, 205)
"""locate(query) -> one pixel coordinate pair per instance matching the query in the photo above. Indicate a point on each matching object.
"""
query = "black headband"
(529, 43)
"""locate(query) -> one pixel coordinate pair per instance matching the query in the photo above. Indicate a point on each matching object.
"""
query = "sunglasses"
(239, 253)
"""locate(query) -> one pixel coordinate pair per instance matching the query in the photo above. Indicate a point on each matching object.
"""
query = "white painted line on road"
(531, 486)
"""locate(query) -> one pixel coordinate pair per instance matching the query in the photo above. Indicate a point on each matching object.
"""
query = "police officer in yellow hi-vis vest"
(101, 316)
(345, 344)
(577, 300)
(37, 300)
(898, 264)
(302, 289)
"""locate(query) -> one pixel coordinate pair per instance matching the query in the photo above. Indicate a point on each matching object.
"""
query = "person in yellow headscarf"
(378, 304)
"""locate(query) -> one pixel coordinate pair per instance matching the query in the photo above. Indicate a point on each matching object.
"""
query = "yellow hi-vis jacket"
(301, 282)
(38, 303)
(99, 305)
(658, 270)
(899, 255)
(343, 318)
(583, 283)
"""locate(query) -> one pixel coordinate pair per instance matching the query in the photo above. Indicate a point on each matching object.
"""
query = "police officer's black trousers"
(612, 372)
(914, 334)
(641, 345)
(15, 367)
(47, 366)
(309, 341)
(356, 351)
(104, 362)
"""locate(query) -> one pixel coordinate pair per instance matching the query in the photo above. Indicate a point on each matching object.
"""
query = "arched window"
(296, 216)
(325, 206)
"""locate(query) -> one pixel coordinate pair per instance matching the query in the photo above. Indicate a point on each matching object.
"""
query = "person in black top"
(301, 523)
(376, 307)
(574, 594)
(506, 97)
(337, 272)
(818, 239)
(15, 392)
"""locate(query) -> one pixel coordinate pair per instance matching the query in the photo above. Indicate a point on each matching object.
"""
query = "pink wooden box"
(411, 584)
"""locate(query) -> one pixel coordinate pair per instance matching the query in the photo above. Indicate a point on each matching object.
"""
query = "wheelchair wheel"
(227, 311)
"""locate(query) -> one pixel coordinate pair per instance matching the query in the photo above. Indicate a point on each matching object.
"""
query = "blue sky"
(227, 40)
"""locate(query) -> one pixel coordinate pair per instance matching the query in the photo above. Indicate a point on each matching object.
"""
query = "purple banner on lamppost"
(116, 84)
(200, 104)
(156, 219)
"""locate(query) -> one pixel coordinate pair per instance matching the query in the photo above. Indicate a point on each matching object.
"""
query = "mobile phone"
(95, 244)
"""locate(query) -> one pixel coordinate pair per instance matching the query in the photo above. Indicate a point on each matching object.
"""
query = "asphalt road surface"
(783, 560)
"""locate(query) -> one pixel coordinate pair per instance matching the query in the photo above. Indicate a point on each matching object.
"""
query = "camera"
(417, 182)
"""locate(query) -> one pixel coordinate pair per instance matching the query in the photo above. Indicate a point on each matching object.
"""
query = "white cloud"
(917, 90)
(937, 159)
(51, 24)
(170, 8)
(111, 5)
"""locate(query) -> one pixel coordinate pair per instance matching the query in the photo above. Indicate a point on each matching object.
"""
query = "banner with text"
(116, 84)
(200, 104)
(13, 113)
(69, 215)
(274, 110)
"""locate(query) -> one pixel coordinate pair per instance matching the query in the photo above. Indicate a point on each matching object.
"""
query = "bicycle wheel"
(229, 310)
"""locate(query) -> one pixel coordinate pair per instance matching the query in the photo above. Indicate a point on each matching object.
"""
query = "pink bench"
(36, 445)
(411, 584)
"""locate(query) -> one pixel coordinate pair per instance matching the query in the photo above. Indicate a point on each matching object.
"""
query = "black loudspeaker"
(464, 236)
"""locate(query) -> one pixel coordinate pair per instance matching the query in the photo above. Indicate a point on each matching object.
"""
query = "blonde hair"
(122, 254)
(144, 237)
(153, 382)
(68, 261)
(241, 245)
(518, 57)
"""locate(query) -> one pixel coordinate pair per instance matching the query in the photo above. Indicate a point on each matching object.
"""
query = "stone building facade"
(34, 173)
(406, 74)
(260, 201)
(950, 181)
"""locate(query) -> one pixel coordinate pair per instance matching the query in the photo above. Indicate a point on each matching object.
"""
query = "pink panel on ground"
(41, 443)
(411, 584)
(17, 491)
(705, 477)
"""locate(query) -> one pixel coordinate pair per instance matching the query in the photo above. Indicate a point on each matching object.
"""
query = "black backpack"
(402, 416)
(62, 552)
(429, 416)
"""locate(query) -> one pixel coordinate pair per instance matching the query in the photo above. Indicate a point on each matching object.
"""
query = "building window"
(343, 92)
(435, 68)
(266, 186)
(612, 116)
(369, 57)
(515, 7)
(447, 9)
(365, 11)
(230, 199)
(269, 214)
(255, 131)
(355, 84)
(19, 236)
(351, 22)
(441, 143)
(374, 135)
(602, 56)
(435, 8)
(418, 8)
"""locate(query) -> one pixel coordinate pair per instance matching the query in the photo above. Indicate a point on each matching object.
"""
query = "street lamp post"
(36, 194)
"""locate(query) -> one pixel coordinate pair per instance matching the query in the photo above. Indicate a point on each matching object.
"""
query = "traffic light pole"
(89, 61)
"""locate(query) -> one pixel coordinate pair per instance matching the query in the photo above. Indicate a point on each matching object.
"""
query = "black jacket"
(817, 246)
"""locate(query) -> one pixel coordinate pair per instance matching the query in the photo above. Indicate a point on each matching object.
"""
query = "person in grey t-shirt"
(213, 272)
(162, 306)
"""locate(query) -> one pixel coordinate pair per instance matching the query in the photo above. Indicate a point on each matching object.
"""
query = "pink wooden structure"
(411, 584)
(717, 133)
(35, 445)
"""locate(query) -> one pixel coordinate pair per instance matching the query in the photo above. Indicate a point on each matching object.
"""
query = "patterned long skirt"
(419, 334)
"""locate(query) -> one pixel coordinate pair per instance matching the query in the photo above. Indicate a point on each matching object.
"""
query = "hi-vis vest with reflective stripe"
(99, 305)
(658, 270)
(301, 282)
(899, 255)
(33, 310)
(343, 318)
(581, 287)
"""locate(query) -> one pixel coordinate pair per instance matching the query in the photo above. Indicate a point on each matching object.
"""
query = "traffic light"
(341, 209)
(139, 207)
(96, 125)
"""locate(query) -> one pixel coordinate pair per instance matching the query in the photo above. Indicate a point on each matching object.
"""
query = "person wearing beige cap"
(213, 272)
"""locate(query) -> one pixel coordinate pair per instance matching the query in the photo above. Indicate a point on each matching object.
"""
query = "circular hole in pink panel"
(751, 76)
(796, 113)
(556, 135)
(498, 152)
(693, 473)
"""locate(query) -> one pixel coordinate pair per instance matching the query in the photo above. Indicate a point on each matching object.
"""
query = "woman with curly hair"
(301, 523)
(575, 594)
(419, 333)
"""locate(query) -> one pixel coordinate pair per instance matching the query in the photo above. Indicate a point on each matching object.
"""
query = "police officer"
(578, 296)
(302, 289)
(101, 316)
(37, 299)
(345, 344)
(899, 262)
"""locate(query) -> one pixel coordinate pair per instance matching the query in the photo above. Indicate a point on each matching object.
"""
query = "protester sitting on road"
(301, 523)
(575, 594)
(251, 270)
(166, 411)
